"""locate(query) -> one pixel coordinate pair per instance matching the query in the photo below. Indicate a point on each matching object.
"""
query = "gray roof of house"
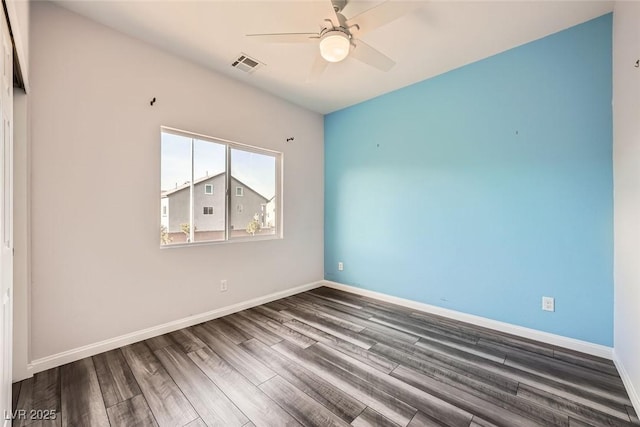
(188, 184)
(199, 180)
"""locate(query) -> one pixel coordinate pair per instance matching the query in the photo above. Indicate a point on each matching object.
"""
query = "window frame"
(229, 145)
(208, 193)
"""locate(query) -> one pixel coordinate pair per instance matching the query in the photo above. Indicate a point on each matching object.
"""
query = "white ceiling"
(439, 36)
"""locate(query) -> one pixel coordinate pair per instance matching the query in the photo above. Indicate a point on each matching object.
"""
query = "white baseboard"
(559, 340)
(72, 355)
(634, 395)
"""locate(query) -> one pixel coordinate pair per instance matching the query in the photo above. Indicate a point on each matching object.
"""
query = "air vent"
(246, 63)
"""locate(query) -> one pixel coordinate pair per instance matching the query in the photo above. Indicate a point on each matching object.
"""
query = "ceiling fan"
(339, 37)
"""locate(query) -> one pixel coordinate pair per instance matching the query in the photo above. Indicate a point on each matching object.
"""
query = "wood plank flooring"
(330, 358)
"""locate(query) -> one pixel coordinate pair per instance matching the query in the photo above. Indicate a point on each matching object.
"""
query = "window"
(193, 165)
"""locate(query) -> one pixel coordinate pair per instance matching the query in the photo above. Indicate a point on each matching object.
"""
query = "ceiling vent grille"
(247, 64)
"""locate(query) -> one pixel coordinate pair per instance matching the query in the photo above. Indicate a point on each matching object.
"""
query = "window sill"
(223, 242)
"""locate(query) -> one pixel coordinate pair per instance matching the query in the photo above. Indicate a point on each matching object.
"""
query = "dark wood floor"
(329, 358)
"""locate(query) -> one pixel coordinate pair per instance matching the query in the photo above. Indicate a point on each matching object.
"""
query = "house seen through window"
(192, 166)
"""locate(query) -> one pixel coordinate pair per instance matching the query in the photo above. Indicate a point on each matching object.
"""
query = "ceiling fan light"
(334, 46)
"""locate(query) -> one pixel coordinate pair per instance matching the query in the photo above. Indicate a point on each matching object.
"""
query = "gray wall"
(250, 203)
(179, 206)
(242, 208)
(178, 209)
(213, 222)
(93, 128)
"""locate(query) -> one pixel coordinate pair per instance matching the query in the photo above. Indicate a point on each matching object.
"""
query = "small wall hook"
(290, 139)
(153, 101)
(637, 65)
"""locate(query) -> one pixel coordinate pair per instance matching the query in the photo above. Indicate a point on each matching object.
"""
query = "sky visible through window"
(255, 170)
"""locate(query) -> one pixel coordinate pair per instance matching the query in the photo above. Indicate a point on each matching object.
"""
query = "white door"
(6, 218)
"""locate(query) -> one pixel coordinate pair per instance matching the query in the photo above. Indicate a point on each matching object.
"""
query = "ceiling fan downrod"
(338, 5)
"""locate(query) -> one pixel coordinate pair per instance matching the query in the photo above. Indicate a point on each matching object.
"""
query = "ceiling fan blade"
(286, 37)
(318, 67)
(332, 15)
(381, 15)
(370, 56)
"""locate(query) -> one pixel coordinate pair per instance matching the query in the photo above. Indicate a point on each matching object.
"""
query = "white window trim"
(240, 193)
(206, 186)
(279, 156)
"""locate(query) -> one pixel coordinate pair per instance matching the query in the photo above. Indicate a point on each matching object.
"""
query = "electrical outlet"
(223, 286)
(340, 266)
(548, 304)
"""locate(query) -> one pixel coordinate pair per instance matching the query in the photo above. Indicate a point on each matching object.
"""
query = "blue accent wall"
(483, 189)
